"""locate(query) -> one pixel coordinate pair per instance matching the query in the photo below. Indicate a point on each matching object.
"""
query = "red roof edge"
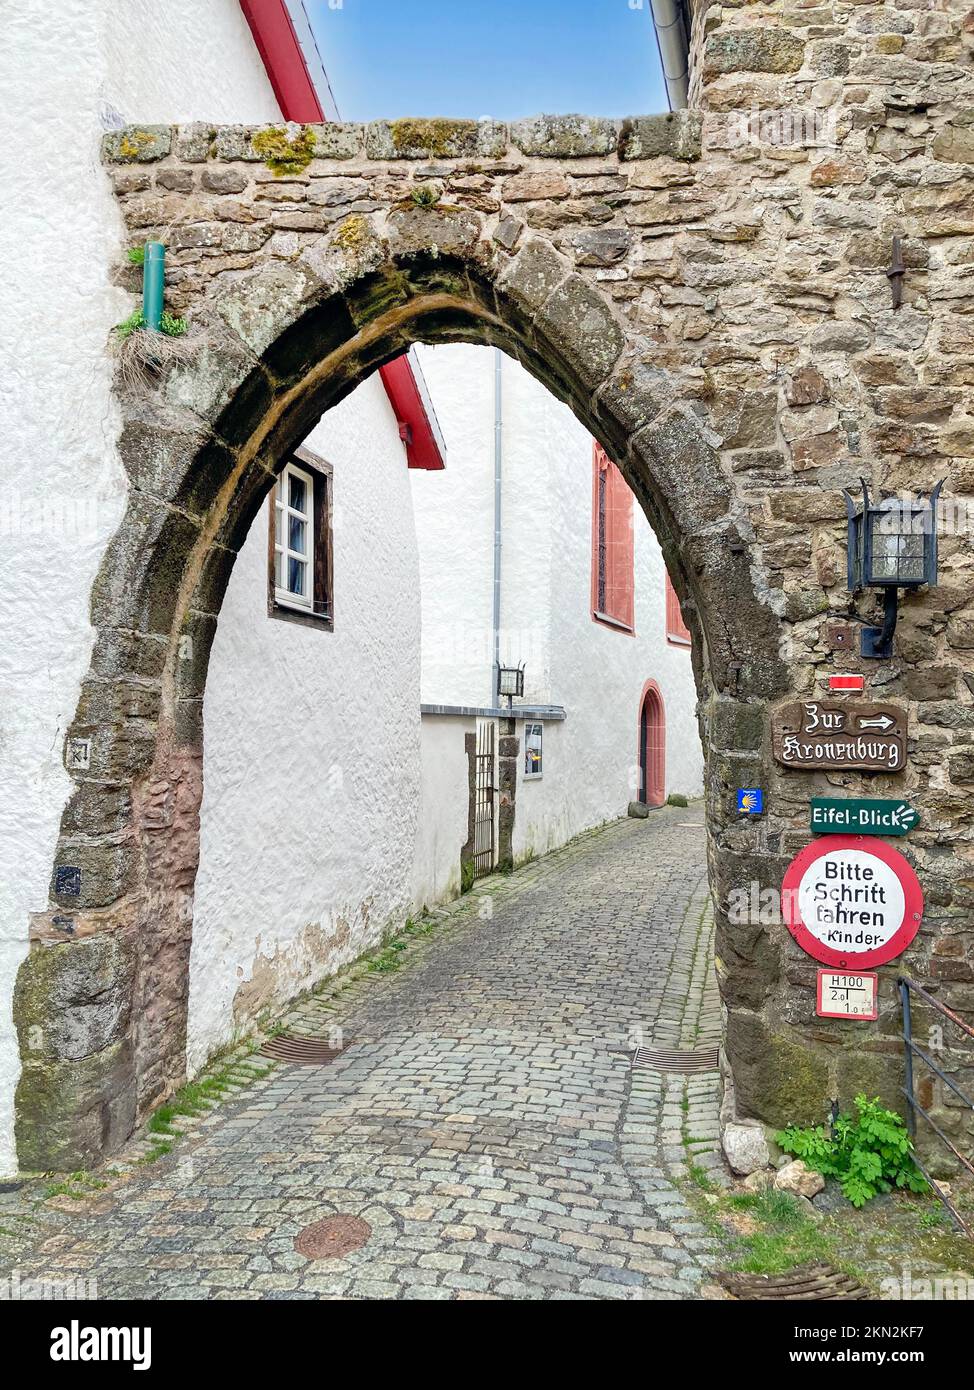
(280, 51)
(417, 425)
(283, 60)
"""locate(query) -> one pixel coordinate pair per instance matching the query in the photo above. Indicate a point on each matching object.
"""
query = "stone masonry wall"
(713, 304)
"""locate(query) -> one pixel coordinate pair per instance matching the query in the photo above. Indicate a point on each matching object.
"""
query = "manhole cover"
(809, 1283)
(332, 1237)
(672, 1059)
(296, 1047)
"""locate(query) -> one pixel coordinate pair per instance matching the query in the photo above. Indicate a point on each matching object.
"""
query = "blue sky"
(499, 58)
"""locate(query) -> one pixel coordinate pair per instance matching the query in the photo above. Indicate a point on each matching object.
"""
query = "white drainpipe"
(498, 461)
(672, 25)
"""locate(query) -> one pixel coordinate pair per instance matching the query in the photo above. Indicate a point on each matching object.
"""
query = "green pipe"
(153, 279)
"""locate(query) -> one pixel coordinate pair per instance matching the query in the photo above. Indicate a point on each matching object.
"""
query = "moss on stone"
(794, 1082)
(437, 136)
(353, 233)
(282, 155)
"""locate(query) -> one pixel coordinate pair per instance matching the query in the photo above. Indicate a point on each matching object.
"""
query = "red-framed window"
(613, 581)
(676, 629)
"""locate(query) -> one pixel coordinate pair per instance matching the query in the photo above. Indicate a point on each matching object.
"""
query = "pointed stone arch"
(305, 258)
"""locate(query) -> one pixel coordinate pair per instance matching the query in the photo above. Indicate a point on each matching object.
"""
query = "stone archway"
(628, 275)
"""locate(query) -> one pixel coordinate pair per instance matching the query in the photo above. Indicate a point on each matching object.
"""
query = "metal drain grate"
(297, 1047)
(671, 1059)
(807, 1284)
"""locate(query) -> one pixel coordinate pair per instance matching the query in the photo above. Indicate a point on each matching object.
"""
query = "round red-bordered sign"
(794, 888)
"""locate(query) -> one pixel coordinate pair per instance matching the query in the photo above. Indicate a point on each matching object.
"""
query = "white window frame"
(534, 724)
(303, 603)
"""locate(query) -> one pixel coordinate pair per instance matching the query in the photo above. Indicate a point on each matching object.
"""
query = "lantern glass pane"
(884, 567)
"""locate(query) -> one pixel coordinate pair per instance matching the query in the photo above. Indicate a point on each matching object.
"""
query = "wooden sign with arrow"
(853, 734)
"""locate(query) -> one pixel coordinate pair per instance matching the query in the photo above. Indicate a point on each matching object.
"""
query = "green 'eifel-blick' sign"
(861, 816)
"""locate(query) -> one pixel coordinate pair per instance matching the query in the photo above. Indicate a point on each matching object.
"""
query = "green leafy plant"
(868, 1154)
(425, 195)
(172, 325)
(136, 255)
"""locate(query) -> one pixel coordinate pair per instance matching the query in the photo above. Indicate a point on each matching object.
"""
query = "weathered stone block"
(534, 184)
(508, 231)
(755, 49)
(440, 230)
(602, 246)
(738, 725)
(580, 323)
(435, 138)
(137, 144)
(871, 1074)
(676, 135)
(565, 137)
(139, 577)
(73, 1114)
(806, 386)
(961, 766)
(685, 469)
(335, 140)
(633, 398)
(219, 180)
(777, 1078)
(259, 306)
(97, 808)
(95, 873)
(534, 273)
(74, 999)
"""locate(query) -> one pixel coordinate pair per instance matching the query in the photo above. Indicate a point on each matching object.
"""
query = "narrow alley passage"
(484, 1122)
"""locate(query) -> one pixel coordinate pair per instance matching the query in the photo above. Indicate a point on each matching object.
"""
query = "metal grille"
(298, 1047)
(807, 1284)
(670, 1059)
(483, 827)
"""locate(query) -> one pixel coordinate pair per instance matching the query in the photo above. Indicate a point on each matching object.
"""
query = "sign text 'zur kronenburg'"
(818, 734)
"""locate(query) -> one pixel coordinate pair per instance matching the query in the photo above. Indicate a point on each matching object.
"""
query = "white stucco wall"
(596, 673)
(66, 71)
(455, 517)
(311, 749)
(441, 829)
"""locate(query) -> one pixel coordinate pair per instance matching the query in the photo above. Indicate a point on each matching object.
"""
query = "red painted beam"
(281, 54)
(284, 63)
(415, 426)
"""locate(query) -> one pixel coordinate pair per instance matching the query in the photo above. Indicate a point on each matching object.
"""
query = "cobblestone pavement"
(485, 1120)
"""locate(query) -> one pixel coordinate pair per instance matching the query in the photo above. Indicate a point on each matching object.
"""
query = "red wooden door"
(652, 747)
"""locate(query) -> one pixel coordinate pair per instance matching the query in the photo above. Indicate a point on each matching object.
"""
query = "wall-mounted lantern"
(510, 681)
(892, 545)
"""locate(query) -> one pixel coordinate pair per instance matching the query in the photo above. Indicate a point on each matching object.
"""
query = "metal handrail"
(915, 1108)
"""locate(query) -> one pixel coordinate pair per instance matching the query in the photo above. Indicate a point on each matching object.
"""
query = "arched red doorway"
(652, 746)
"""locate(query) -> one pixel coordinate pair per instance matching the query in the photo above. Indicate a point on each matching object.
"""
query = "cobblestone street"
(484, 1121)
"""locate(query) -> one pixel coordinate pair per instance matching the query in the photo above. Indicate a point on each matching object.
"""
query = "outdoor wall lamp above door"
(892, 545)
(510, 681)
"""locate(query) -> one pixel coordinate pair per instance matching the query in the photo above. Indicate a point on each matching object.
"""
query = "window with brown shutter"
(300, 564)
